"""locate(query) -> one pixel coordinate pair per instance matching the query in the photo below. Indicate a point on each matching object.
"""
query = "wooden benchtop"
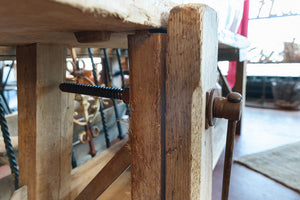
(55, 21)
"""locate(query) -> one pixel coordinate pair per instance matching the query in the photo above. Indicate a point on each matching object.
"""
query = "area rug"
(281, 164)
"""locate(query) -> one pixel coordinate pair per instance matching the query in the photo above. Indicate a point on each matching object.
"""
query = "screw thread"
(109, 92)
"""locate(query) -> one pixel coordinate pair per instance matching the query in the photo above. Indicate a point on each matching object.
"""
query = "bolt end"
(234, 97)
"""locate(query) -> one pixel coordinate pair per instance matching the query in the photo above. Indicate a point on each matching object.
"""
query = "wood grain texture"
(92, 36)
(147, 67)
(52, 22)
(55, 21)
(112, 170)
(44, 122)
(120, 189)
(191, 66)
(218, 140)
(7, 53)
(20, 194)
(81, 176)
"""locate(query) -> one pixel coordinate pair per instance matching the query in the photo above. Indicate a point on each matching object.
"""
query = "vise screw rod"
(109, 92)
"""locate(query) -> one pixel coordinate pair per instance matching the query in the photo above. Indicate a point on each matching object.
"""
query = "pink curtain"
(243, 30)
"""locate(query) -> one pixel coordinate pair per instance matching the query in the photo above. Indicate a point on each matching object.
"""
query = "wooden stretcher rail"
(84, 174)
(231, 46)
(112, 170)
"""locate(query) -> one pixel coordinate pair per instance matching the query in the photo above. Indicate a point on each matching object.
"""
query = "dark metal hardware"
(103, 117)
(98, 91)
(118, 52)
(109, 83)
(89, 138)
(229, 108)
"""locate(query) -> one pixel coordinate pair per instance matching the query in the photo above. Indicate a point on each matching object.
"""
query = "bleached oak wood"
(55, 21)
(112, 170)
(81, 176)
(191, 66)
(49, 21)
(45, 121)
(12, 123)
(20, 194)
(228, 39)
(147, 69)
(218, 140)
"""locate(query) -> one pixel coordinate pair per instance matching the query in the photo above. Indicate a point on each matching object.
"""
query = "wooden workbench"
(171, 152)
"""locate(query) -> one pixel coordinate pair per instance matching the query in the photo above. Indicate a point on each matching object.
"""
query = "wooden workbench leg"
(147, 67)
(240, 86)
(190, 72)
(45, 122)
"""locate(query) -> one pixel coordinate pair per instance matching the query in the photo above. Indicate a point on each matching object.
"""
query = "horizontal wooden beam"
(117, 40)
(55, 21)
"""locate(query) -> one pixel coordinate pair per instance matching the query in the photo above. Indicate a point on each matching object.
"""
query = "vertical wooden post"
(45, 122)
(240, 87)
(147, 69)
(191, 67)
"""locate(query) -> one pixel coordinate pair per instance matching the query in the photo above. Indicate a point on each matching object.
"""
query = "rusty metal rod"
(103, 117)
(118, 52)
(228, 158)
(110, 83)
(89, 138)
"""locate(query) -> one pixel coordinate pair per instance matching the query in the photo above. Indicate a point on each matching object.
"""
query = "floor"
(262, 129)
